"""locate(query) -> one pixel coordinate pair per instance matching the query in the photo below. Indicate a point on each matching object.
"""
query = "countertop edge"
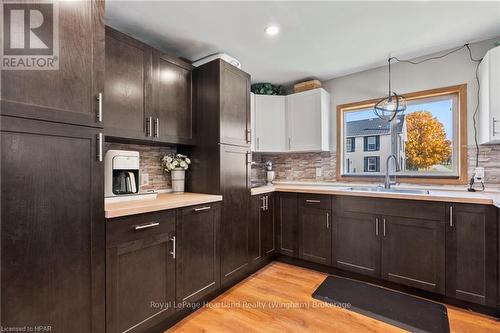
(159, 206)
(423, 197)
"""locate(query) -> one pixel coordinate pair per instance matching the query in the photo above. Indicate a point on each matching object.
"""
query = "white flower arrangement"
(175, 161)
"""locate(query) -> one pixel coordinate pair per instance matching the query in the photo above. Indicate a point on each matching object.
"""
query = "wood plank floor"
(250, 306)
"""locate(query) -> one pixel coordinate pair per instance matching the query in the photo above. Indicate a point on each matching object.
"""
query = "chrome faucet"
(387, 182)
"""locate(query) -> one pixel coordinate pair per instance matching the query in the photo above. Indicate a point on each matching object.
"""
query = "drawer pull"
(328, 220)
(376, 226)
(173, 247)
(313, 201)
(202, 209)
(147, 225)
(451, 216)
(384, 226)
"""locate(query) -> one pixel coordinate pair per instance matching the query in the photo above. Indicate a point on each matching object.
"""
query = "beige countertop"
(459, 195)
(163, 201)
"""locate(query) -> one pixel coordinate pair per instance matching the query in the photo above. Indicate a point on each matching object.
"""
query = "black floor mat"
(395, 308)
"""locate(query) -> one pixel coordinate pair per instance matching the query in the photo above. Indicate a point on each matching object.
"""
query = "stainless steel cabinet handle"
(384, 226)
(99, 107)
(313, 201)
(328, 220)
(289, 144)
(249, 135)
(149, 121)
(147, 225)
(157, 127)
(267, 202)
(376, 226)
(451, 216)
(99, 147)
(494, 126)
(173, 247)
(202, 209)
(249, 158)
(263, 207)
(258, 143)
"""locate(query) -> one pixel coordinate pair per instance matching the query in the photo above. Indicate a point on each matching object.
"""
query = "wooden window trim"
(460, 91)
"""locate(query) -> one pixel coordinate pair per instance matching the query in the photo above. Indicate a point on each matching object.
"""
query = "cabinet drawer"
(134, 227)
(427, 210)
(200, 208)
(316, 201)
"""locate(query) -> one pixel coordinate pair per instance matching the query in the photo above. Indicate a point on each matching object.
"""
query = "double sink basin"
(386, 190)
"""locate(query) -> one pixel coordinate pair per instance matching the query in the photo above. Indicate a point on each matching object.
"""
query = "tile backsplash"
(149, 163)
(302, 166)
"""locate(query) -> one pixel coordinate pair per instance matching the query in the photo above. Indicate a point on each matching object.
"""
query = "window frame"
(367, 160)
(352, 141)
(461, 138)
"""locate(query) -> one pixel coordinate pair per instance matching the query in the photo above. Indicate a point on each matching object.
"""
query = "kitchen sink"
(388, 190)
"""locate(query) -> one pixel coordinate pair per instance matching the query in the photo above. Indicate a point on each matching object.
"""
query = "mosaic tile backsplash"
(150, 163)
(302, 166)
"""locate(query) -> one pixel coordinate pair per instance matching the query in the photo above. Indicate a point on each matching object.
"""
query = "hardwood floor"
(251, 306)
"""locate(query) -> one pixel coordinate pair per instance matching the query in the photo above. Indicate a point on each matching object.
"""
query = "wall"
(149, 163)
(452, 70)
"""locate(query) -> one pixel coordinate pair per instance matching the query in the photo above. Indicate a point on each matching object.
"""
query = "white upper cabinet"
(489, 113)
(270, 123)
(308, 121)
(252, 121)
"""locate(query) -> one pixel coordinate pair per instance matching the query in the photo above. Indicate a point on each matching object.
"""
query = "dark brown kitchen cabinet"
(198, 257)
(234, 230)
(128, 109)
(315, 223)
(356, 243)
(471, 253)
(223, 106)
(288, 224)
(413, 252)
(67, 94)
(173, 120)
(140, 271)
(261, 227)
(52, 222)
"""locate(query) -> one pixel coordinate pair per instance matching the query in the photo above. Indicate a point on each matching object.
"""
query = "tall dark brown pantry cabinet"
(222, 158)
(52, 214)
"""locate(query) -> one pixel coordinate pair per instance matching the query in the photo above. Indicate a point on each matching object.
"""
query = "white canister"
(178, 179)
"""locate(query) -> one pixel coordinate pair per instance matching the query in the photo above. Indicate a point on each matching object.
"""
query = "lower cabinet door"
(413, 253)
(267, 226)
(471, 253)
(254, 228)
(356, 243)
(140, 278)
(287, 224)
(316, 235)
(198, 263)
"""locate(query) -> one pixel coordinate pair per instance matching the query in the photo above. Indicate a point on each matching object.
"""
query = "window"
(429, 140)
(350, 145)
(372, 164)
(372, 143)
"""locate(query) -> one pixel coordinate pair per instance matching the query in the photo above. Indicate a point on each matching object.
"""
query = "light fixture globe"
(390, 106)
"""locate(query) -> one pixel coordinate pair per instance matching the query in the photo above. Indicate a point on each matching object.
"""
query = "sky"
(442, 109)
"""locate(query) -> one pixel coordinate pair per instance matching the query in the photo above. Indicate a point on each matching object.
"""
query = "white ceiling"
(317, 39)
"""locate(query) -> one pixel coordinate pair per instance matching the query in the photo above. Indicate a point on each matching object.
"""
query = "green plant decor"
(267, 89)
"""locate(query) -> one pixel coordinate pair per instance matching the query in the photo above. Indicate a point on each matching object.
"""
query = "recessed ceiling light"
(272, 30)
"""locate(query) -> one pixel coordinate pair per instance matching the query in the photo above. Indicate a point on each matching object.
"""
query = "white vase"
(178, 179)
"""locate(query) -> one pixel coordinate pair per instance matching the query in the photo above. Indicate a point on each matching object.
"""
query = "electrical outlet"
(479, 174)
(319, 172)
(144, 179)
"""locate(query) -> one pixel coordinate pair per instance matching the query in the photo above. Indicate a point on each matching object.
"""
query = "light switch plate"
(319, 172)
(144, 179)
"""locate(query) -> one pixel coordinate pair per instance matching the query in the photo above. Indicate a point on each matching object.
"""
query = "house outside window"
(372, 164)
(350, 145)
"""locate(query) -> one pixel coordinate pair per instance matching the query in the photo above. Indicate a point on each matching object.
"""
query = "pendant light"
(388, 107)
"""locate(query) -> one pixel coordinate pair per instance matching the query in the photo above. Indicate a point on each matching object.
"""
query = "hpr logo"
(30, 36)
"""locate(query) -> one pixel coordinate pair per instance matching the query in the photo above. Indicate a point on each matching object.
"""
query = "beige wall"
(451, 70)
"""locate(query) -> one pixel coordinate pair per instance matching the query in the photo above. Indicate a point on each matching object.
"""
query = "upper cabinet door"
(270, 123)
(308, 120)
(67, 94)
(127, 101)
(234, 106)
(489, 114)
(173, 100)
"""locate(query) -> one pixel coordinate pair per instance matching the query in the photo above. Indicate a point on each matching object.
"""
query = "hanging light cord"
(477, 61)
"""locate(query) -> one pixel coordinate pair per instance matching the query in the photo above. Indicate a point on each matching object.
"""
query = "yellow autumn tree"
(427, 144)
